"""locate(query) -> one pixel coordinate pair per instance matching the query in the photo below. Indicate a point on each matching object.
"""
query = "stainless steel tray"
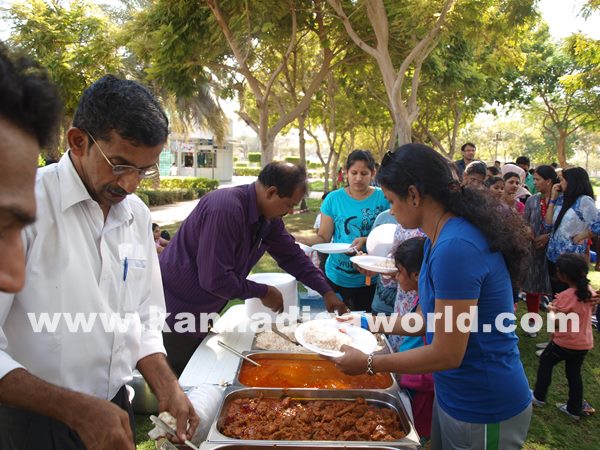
(309, 446)
(258, 355)
(381, 398)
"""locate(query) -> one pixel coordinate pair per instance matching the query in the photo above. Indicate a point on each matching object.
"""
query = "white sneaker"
(563, 407)
(542, 345)
(535, 401)
(538, 353)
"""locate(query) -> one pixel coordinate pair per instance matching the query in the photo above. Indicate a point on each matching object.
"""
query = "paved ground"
(176, 212)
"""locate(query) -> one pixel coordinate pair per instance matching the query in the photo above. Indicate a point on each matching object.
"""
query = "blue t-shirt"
(490, 385)
(351, 219)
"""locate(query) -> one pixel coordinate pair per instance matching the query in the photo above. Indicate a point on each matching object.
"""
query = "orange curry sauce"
(306, 373)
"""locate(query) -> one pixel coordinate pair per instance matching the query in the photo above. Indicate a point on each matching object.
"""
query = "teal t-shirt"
(490, 385)
(351, 219)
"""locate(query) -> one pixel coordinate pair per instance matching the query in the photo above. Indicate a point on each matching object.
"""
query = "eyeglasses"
(120, 170)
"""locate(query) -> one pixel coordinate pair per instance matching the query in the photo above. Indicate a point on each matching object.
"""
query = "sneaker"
(587, 409)
(563, 407)
(538, 353)
(542, 345)
(531, 335)
(535, 401)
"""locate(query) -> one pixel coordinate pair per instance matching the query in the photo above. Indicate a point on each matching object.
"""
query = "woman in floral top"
(569, 214)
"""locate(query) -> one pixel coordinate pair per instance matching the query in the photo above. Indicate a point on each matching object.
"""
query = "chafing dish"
(309, 446)
(378, 398)
(257, 356)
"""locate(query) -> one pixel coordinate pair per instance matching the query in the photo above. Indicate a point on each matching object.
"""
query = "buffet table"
(214, 365)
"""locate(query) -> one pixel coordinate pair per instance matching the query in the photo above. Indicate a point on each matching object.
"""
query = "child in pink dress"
(570, 345)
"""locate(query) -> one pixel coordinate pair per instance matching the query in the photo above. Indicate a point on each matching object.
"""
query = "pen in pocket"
(125, 268)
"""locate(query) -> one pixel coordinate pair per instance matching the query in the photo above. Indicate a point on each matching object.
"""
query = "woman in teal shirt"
(347, 216)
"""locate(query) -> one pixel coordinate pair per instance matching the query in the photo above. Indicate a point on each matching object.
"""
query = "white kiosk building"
(196, 157)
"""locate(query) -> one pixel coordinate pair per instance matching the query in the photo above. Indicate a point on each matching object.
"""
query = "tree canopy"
(368, 73)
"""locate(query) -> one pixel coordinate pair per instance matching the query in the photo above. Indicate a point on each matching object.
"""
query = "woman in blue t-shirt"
(347, 216)
(473, 252)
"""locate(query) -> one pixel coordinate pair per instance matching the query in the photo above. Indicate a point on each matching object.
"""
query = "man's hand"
(171, 398)
(333, 303)
(180, 407)
(102, 425)
(273, 299)
(352, 362)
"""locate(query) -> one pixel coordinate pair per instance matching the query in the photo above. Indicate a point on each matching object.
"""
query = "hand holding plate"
(352, 362)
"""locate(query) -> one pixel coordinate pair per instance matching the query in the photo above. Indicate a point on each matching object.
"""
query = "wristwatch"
(370, 370)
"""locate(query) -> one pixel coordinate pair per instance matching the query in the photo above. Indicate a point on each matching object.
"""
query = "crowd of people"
(75, 241)
(510, 231)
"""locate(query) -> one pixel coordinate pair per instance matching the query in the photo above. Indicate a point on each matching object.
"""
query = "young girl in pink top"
(573, 344)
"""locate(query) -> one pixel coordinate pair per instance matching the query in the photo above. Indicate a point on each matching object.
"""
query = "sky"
(564, 19)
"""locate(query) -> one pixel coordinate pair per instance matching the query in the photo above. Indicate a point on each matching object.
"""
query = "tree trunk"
(401, 133)
(267, 146)
(334, 169)
(302, 151)
(561, 148)
(302, 139)
(266, 140)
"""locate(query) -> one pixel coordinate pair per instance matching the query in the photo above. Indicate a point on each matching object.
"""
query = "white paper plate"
(374, 263)
(381, 240)
(362, 340)
(332, 247)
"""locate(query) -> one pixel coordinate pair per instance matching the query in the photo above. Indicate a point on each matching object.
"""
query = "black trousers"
(552, 355)
(357, 299)
(24, 430)
(180, 348)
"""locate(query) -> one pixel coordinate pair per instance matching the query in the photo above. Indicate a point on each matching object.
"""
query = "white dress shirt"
(78, 263)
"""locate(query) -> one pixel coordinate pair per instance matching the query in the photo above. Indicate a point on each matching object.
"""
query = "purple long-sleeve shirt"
(207, 261)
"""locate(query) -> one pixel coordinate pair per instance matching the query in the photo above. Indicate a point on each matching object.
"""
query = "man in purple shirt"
(207, 262)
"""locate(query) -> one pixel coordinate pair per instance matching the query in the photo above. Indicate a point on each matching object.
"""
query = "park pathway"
(177, 212)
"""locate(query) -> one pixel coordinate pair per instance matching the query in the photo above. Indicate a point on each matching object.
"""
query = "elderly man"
(92, 271)
(208, 260)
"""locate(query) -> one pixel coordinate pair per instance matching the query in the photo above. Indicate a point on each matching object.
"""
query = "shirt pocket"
(134, 282)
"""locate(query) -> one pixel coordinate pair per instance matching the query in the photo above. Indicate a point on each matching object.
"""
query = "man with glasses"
(93, 272)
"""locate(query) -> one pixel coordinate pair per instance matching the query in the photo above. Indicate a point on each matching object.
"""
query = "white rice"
(326, 338)
(268, 340)
(385, 264)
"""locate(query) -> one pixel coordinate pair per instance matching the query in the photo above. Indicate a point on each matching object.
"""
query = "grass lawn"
(316, 186)
(596, 186)
(550, 429)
